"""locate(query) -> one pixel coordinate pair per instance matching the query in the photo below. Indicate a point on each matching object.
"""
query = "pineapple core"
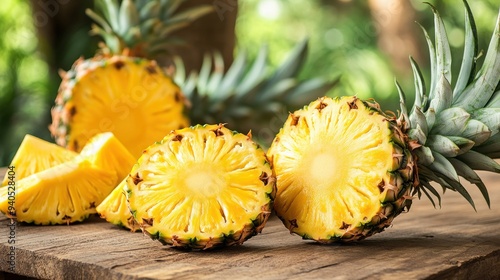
(203, 181)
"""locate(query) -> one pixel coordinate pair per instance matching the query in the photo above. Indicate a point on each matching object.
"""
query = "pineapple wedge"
(106, 152)
(63, 194)
(70, 191)
(35, 155)
(114, 209)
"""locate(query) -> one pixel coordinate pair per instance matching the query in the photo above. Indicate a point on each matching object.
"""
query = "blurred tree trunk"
(62, 28)
(397, 37)
(212, 32)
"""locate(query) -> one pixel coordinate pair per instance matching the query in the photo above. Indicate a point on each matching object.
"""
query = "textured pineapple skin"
(395, 195)
(123, 103)
(216, 239)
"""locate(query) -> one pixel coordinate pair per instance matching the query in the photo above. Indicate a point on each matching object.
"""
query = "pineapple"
(35, 155)
(62, 194)
(247, 96)
(70, 191)
(114, 209)
(120, 89)
(202, 187)
(105, 151)
(345, 169)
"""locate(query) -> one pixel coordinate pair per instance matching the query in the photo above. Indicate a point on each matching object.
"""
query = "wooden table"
(454, 242)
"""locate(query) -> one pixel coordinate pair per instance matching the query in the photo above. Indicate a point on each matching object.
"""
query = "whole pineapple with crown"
(345, 169)
(121, 89)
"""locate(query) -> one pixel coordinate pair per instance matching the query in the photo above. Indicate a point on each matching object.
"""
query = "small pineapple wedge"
(35, 155)
(345, 169)
(114, 209)
(63, 194)
(202, 187)
(106, 152)
(122, 89)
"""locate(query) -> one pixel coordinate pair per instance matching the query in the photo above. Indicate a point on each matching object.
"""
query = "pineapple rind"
(395, 190)
(219, 148)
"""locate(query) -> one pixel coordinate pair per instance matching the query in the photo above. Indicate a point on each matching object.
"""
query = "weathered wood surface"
(454, 242)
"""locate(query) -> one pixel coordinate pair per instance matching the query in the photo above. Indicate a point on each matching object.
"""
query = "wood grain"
(453, 242)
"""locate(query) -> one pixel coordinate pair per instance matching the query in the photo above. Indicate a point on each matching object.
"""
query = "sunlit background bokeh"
(345, 40)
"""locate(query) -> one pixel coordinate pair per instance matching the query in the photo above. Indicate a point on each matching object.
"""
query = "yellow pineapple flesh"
(35, 155)
(131, 97)
(202, 187)
(343, 169)
(106, 152)
(114, 209)
(63, 194)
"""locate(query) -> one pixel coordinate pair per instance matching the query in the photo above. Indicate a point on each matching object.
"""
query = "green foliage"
(343, 40)
(23, 79)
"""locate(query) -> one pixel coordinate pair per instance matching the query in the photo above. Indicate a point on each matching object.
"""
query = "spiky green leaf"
(479, 161)
(467, 69)
(450, 121)
(479, 92)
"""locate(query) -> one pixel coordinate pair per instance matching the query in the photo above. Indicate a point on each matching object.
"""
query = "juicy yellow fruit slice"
(131, 97)
(35, 155)
(114, 209)
(62, 194)
(201, 187)
(343, 168)
(106, 152)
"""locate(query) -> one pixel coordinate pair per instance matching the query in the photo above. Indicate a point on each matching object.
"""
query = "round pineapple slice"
(131, 97)
(114, 209)
(63, 194)
(202, 187)
(35, 155)
(343, 170)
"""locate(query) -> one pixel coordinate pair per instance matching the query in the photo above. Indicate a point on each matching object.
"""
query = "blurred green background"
(367, 43)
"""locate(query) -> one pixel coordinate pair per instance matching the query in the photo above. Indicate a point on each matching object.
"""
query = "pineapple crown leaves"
(246, 95)
(144, 27)
(457, 128)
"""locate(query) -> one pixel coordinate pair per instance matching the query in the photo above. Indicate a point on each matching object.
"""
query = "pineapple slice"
(131, 97)
(35, 155)
(63, 194)
(202, 187)
(114, 209)
(343, 170)
(106, 152)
